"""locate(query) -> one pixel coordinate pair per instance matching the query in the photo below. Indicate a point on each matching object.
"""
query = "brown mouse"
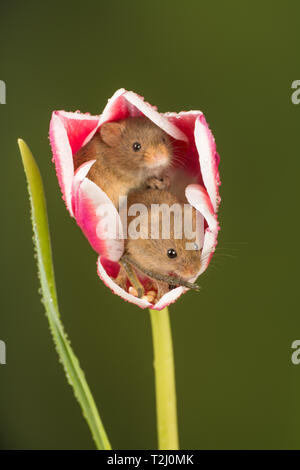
(158, 262)
(129, 154)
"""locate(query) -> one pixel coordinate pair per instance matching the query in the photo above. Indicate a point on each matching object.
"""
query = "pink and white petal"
(108, 270)
(62, 157)
(108, 281)
(198, 198)
(79, 176)
(209, 160)
(125, 104)
(159, 119)
(187, 158)
(116, 107)
(79, 127)
(68, 132)
(99, 220)
(169, 298)
(185, 121)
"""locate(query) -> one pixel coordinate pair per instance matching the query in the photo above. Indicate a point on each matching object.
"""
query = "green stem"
(164, 380)
(41, 236)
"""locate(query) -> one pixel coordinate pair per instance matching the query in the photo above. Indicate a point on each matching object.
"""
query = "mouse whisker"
(171, 280)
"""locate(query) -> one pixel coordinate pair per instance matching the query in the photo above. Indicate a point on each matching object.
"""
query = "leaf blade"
(73, 371)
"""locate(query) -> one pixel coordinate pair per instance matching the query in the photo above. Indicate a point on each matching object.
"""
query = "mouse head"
(167, 257)
(165, 253)
(138, 143)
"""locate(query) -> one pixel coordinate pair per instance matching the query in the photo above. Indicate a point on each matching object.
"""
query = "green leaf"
(74, 373)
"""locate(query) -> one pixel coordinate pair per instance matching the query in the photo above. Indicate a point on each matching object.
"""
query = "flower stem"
(166, 411)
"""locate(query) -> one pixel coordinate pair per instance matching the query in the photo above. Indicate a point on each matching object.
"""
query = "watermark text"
(2, 352)
(2, 92)
(295, 358)
(158, 221)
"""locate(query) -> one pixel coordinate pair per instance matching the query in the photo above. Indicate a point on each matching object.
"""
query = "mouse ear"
(111, 132)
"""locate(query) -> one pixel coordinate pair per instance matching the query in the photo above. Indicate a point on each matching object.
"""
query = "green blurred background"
(237, 387)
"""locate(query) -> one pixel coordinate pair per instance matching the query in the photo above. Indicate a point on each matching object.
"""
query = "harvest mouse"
(129, 154)
(160, 263)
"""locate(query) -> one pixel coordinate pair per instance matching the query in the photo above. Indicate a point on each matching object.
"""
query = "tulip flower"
(69, 131)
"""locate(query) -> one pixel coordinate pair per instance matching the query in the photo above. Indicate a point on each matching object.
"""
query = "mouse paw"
(150, 296)
(133, 291)
(137, 292)
(158, 183)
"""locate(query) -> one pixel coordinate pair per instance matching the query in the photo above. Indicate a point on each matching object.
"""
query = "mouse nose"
(190, 271)
(156, 156)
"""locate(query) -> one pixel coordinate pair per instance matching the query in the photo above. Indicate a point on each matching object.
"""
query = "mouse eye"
(164, 140)
(136, 146)
(171, 253)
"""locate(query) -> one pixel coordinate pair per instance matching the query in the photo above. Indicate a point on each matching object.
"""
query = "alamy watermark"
(295, 358)
(295, 96)
(159, 221)
(2, 92)
(2, 352)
